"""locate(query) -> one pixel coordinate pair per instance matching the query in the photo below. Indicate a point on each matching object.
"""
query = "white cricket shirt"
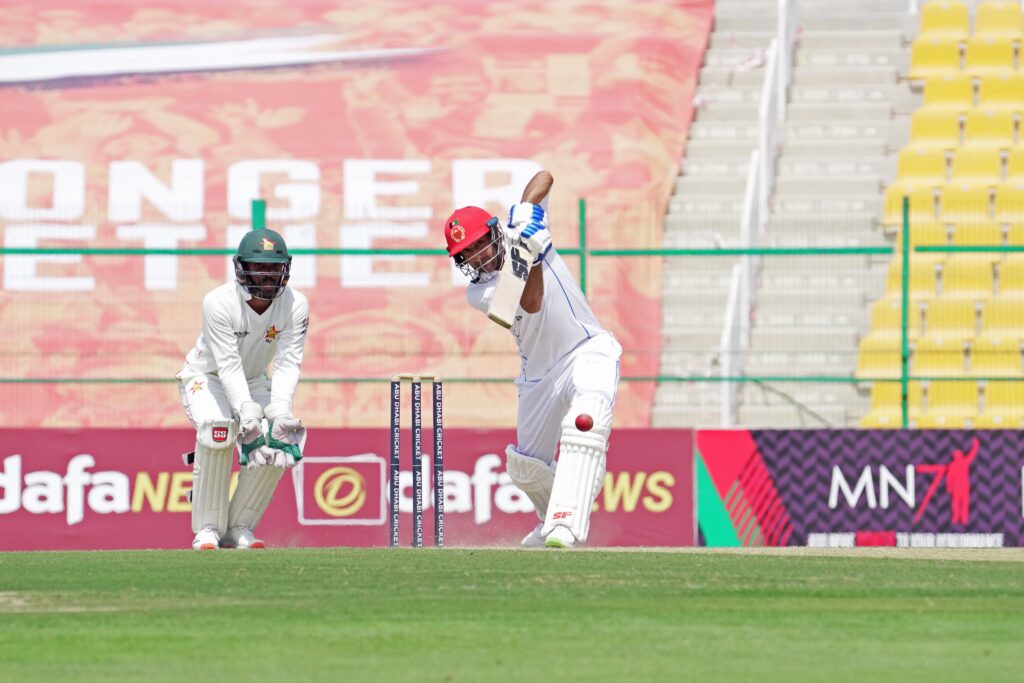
(237, 344)
(563, 322)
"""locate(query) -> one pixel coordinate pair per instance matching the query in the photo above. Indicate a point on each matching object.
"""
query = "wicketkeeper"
(569, 375)
(230, 400)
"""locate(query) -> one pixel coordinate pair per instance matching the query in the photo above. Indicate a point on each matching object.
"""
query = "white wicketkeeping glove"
(286, 435)
(525, 212)
(250, 430)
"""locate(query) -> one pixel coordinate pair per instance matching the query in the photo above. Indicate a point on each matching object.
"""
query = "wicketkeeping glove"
(250, 430)
(286, 434)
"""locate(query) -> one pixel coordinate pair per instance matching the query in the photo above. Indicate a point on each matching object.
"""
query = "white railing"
(756, 209)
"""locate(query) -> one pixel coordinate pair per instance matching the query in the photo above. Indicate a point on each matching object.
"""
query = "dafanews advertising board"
(112, 489)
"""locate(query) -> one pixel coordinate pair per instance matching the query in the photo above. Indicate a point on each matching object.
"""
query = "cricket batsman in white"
(226, 393)
(569, 372)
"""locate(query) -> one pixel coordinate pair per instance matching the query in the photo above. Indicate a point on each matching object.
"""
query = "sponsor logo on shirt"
(241, 335)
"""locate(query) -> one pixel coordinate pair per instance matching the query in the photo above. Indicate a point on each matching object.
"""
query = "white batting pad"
(533, 477)
(253, 495)
(581, 467)
(211, 474)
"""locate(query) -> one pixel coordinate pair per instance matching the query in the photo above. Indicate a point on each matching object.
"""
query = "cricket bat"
(515, 271)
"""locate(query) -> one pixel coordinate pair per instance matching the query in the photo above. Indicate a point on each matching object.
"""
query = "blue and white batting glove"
(537, 239)
(525, 212)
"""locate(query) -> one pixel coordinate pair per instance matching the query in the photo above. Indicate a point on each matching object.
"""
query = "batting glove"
(525, 212)
(537, 239)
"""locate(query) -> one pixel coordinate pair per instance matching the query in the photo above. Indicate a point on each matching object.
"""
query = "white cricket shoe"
(206, 539)
(242, 538)
(560, 537)
(534, 539)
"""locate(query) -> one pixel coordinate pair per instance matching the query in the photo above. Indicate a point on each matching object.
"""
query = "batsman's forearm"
(538, 187)
(533, 293)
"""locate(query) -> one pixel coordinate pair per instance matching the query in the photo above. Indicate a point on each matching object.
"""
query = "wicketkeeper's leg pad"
(252, 496)
(581, 466)
(211, 474)
(534, 478)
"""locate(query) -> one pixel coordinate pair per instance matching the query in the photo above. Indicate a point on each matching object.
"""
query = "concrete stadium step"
(732, 186)
(811, 363)
(803, 339)
(834, 239)
(842, 185)
(823, 311)
(751, 20)
(740, 39)
(803, 221)
(772, 299)
(729, 76)
(834, 130)
(897, 95)
(701, 239)
(768, 7)
(705, 282)
(811, 394)
(862, 166)
(728, 94)
(685, 223)
(706, 395)
(725, 130)
(868, 112)
(854, 40)
(825, 279)
(895, 56)
(690, 363)
(792, 417)
(743, 112)
(826, 206)
(734, 57)
(676, 416)
(697, 150)
(831, 149)
(705, 205)
(700, 339)
(864, 75)
(734, 168)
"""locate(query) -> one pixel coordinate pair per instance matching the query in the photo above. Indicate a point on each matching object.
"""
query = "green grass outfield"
(503, 615)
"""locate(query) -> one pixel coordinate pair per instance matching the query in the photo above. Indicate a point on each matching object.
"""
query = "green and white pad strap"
(533, 477)
(211, 474)
(252, 496)
(581, 466)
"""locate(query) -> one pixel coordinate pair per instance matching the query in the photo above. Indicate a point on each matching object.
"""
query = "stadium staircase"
(847, 116)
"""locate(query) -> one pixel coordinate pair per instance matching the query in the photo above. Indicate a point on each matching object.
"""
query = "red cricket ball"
(584, 422)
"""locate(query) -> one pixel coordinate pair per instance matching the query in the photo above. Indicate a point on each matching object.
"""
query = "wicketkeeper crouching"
(230, 400)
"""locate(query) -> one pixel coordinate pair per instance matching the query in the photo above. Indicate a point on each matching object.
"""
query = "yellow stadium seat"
(1009, 205)
(947, 18)
(938, 357)
(952, 399)
(953, 90)
(977, 166)
(922, 205)
(886, 405)
(1002, 91)
(997, 421)
(994, 356)
(950, 319)
(1015, 162)
(1011, 275)
(935, 128)
(961, 203)
(992, 128)
(979, 233)
(924, 233)
(933, 56)
(921, 280)
(923, 164)
(878, 358)
(943, 421)
(1015, 234)
(968, 276)
(999, 19)
(1004, 403)
(1003, 316)
(988, 54)
(887, 319)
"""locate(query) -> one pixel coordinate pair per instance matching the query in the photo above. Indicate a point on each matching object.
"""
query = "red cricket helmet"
(466, 226)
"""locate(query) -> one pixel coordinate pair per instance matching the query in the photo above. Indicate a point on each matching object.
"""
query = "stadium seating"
(1011, 276)
(950, 319)
(1009, 204)
(979, 233)
(996, 356)
(968, 276)
(954, 90)
(936, 356)
(1004, 406)
(1000, 19)
(1015, 160)
(964, 202)
(886, 411)
(945, 19)
(949, 404)
(996, 92)
(977, 167)
(922, 205)
(935, 128)
(987, 55)
(989, 128)
(933, 55)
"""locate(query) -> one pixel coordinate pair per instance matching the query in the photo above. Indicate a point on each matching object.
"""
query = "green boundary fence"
(584, 253)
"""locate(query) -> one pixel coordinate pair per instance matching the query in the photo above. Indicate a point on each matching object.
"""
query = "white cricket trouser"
(592, 367)
(203, 397)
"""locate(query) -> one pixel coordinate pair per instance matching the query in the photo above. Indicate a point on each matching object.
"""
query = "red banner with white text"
(118, 489)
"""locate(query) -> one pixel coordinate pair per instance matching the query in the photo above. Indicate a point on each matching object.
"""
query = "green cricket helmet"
(262, 264)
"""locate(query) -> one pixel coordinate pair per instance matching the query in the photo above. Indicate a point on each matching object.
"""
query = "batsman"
(570, 364)
(231, 402)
